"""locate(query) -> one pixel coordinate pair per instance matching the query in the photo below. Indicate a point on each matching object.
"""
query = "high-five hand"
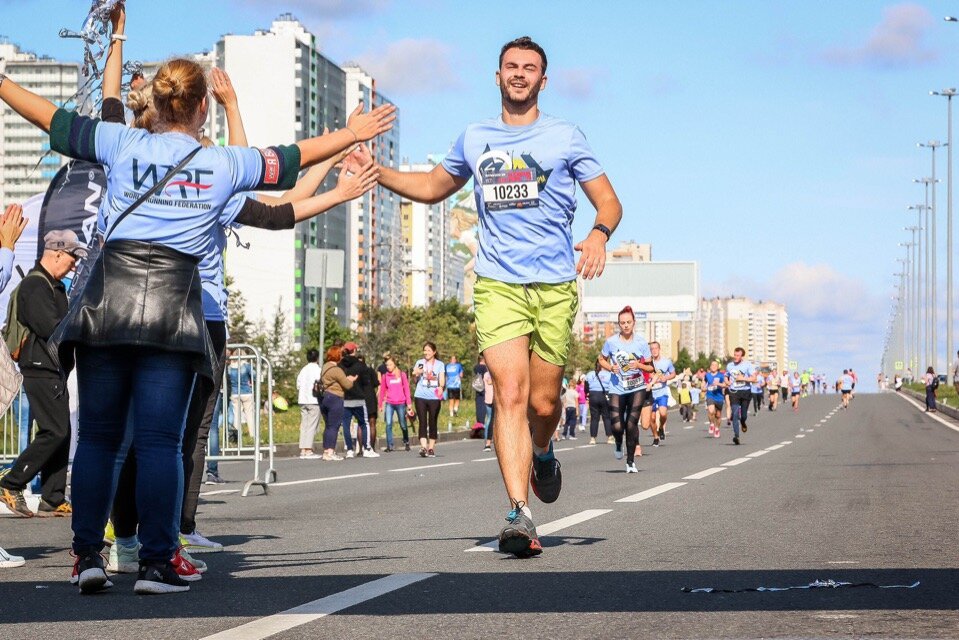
(366, 126)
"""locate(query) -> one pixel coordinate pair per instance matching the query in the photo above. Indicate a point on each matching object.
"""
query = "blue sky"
(773, 142)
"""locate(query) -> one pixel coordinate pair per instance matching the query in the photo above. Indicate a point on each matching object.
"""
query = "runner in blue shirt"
(742, 373)
(795, 390)
(525, 166)
(628, 357)
(845, 387)
(715, 384)
(454, 382)
(756, 389)
(663, 373)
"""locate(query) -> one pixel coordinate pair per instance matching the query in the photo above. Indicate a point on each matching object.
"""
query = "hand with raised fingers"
(12, 224)
(359, 157)
(353, 185)
(366, 126)
(222, 88)
(593, 258)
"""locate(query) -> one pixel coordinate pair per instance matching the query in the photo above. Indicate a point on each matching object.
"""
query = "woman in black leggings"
(597, 384)
(430, 376)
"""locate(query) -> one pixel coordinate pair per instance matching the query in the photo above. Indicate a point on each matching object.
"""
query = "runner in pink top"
(583, 402)
(395, 394)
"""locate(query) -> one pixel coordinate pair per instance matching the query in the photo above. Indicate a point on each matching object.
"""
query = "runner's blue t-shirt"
(525, 189)
(713, 389)
(429, 383)
(454, 375)
(757, 387)
(623, 352)
(846, 383)
(744, 368)
(665, 367)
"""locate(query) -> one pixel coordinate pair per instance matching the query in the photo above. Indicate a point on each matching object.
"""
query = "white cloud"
(898, 41)
(412, 65)
(834, 321)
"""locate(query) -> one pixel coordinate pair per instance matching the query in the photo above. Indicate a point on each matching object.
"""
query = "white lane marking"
(756, 454)
(297, 616)
(549, 527)
(800, 436)
(929, 415)
(290, 483)
(220, 492)
(649, 493)
(563, 449)
(690, 427)
(484, 459)
(704, 474)
(842, 562)
(428, 466)
(809, 430)
(737, 461)
(586, 446)
(822, 422)
(775, 447)
(785, 442)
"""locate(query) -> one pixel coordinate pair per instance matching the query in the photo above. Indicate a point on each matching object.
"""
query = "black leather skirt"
(139, 294)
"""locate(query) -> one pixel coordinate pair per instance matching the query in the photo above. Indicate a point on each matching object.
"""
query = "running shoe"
(196, 542)
(156, 578)
(184, 568)
(46, 510)
(519, 535)
(610, 440)
(312, 455)
(406, 446)
(10, 561)
(745, 429)
(546, 478)
(717, 434)
(13, 500)
(350, 454)
(332, 457)
(592, 440)
(735, 439)
(662, 433)
(422, 452)
(487, 448)
(90, 574)
(123, 559)
(430, 454)
(198, 564)
(655, 442)
(631, 468)
(212, 478)
(370, 453)
(618, 450)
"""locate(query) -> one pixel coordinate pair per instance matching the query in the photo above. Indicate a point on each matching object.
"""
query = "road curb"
(941, 408)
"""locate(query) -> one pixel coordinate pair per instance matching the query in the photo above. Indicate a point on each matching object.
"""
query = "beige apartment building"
(724, 323)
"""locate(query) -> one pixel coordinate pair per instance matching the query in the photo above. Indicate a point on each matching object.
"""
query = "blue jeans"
(740, 405)
(331, 408)
(488, 423)
(399, 410)
(156, 386)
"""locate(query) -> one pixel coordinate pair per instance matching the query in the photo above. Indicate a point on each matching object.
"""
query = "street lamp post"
(916, 251)
(932, 145)
(948, 94)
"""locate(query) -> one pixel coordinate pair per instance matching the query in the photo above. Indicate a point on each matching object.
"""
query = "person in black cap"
(41, 303)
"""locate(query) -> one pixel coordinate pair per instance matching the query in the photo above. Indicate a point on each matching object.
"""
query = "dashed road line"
(704, 474)
(649, 493)
(800, 436)
(428, 466)
(775, 447)
(756, 454)
(290, 483)
(219, 492)
(737, 461)
(311, 611)
(785, 442)
(484, 459)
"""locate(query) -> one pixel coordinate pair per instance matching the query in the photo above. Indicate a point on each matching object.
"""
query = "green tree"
(582, 356)
(275, 343)
(683, 360)
(240, 328)
(335, 333)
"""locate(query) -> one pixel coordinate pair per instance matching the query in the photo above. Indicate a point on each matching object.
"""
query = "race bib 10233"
(513, 189)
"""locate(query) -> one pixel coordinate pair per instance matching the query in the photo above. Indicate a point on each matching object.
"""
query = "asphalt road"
(386, 548)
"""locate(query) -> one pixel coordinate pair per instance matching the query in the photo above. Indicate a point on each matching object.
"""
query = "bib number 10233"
(515, 189)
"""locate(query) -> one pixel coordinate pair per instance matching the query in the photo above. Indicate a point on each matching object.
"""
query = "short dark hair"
(312, 355)
(740, 350)
(526, 43)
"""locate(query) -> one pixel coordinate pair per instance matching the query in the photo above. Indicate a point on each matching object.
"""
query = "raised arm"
(225, 95)
(113, 69)
(307, 186)
(609, 212)
(348, 187)
(361, 127)
(36, 110)
(420, 186)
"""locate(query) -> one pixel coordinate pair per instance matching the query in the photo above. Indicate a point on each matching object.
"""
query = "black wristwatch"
(604, 229)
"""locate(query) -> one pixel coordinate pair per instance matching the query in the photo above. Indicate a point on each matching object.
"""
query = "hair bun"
(168, 85)
(137, 101)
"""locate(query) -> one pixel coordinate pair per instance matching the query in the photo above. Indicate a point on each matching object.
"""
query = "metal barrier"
(15, 432)
(245, 360)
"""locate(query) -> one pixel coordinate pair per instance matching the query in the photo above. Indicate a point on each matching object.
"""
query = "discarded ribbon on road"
(817, 584)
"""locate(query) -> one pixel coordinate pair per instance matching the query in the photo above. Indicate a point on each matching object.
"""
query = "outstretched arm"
(361, 127)
(420, 186)
(36, 110)
(113, 69)
(225, 95)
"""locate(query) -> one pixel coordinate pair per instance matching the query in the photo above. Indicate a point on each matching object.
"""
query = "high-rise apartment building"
(374, 228)
(722, 324)
(26, 168)
(287, 91)
(432, 271)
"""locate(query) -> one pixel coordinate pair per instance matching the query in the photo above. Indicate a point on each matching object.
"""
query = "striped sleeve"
(86, 138)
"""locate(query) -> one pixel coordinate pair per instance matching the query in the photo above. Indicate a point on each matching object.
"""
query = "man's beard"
(533, 95)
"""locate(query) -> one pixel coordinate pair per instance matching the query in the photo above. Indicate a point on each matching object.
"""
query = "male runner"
(715, 384)
(664, 371)
(845, 386)
(525, 166)
(742, 373)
